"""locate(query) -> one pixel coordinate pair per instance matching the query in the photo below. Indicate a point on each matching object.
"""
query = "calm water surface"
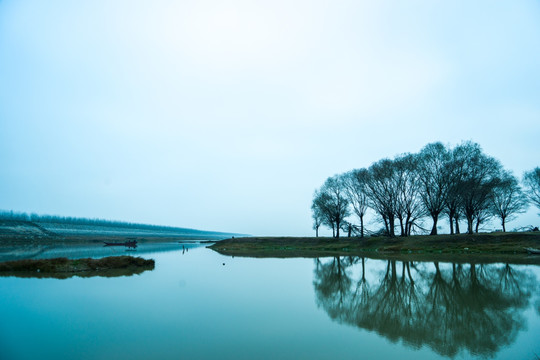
(202, 305)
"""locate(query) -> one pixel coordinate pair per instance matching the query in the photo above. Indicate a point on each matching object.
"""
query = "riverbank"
(62, 268)
(489, 247)
(18, 233)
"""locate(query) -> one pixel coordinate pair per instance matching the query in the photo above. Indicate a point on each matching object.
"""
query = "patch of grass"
(491, 247)
(59, 267)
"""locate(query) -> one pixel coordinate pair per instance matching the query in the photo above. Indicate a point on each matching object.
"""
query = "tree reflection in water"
(449, 307)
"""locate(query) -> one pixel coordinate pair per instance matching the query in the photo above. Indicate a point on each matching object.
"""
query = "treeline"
(461, 183)
(54, 219)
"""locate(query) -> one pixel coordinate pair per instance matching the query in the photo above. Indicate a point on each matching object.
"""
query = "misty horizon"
(229, 115)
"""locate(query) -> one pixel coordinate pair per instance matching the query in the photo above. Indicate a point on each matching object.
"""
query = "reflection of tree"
(463, 307)
(333, 283)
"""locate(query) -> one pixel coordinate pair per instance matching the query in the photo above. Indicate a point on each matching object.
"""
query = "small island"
(62, 268)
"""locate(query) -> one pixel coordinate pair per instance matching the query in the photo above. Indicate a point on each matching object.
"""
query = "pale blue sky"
(226, 115)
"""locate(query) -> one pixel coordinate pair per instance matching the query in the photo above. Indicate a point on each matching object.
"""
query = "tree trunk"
(457, 226)
(337, 230)
(434, 228)
(362, 226)
(503, 223)
(477, 225)
(469, 225)
(391, 223)
(317, 231)
(408, 225)
(402, 233)
(451, 220)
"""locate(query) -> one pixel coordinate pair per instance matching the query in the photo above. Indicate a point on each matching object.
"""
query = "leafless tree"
(317, 214)
(531, 179)
(355, 188)
(435, 177)
(407, 184)
(332, 202)
(382, 192)
(321, 209)
(479, 175)
(507, 199)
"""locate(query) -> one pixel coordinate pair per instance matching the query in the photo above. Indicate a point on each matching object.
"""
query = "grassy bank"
(492, 247)
(63, 268)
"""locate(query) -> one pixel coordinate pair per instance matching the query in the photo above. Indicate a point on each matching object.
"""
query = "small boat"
(132, 243)
(533, 251)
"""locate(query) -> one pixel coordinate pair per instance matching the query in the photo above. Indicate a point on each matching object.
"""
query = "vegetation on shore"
(492, 247)
(70, 220)
(64, 268)
(461, 183)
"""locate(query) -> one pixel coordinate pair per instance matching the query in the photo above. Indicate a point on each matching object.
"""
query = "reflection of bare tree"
(332, 282)
(477, 308)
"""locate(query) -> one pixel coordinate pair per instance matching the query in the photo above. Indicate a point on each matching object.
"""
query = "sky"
(226, 115)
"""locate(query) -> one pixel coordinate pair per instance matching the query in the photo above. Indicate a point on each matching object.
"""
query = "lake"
(198, 304)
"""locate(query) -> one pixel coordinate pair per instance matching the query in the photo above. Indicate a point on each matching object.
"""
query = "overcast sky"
(226, 115)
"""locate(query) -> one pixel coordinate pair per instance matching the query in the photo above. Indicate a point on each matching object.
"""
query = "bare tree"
(331, 200)
(507, 199)
(482, 216)
(317, 214)
(435, 177)
(355, 187)
(479, 177)
(321, 211)
(407, 184)
(382, 193)
(531, 179)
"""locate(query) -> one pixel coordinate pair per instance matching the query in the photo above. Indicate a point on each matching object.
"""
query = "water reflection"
(448, 307)
(97, 250)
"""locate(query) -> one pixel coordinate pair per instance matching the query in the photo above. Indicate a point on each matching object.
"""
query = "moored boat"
(132, 243)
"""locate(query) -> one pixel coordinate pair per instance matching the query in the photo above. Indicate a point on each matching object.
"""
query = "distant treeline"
(55, 219)
(461, 183)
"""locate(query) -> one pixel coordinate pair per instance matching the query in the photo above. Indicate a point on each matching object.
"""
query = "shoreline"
(478, 248)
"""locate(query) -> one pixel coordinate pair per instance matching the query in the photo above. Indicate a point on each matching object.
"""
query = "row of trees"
(462, 183)
(55, 219)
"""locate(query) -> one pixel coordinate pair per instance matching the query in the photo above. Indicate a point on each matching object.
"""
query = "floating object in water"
(131, 244)
(533, 251)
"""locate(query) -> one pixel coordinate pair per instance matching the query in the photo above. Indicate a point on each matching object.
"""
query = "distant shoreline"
(29, 233)
(477, 248)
